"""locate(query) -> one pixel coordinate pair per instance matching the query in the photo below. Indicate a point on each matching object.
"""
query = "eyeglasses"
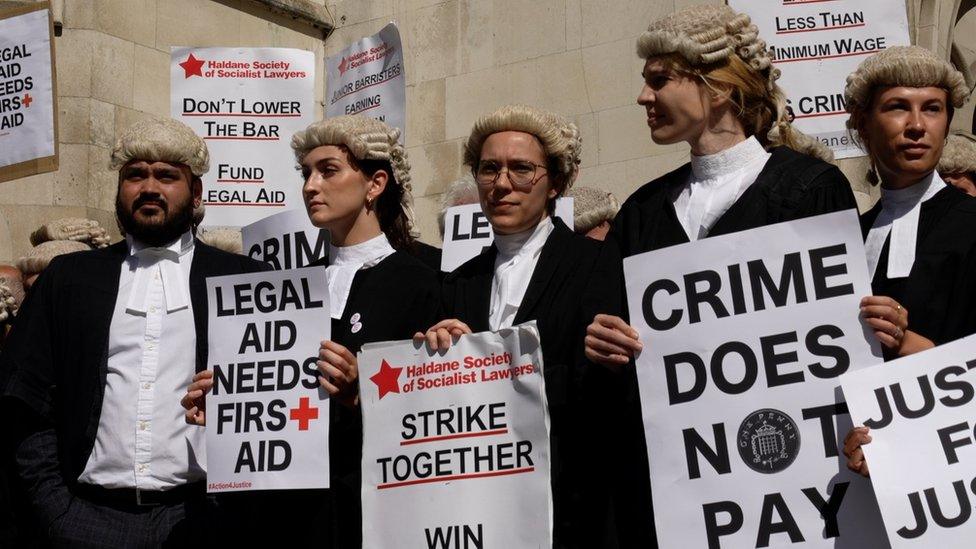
(522, 174)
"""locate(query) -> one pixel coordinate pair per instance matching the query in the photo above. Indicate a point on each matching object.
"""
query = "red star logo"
(387, 379)
(192, 66)
(343, 66)
(27, 100)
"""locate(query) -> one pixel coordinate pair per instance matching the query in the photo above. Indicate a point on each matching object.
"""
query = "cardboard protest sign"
(286, 240)
(267, 417)
(816, 44)
(28, 97)
(367, 78)
(456, 445)
(922, 457)
(745, 337)
(246, 103)
(467, 231)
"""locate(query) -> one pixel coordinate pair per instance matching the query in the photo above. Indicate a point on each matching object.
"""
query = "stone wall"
(463, 58)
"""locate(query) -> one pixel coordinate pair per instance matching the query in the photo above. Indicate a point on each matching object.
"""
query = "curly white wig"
(78, 229)
(40, 256)
(366, 139)
(226, 239)
(461, 192)
(592, 207)
(909, 66)
(959, 154)
(560, 138)
(161, 140)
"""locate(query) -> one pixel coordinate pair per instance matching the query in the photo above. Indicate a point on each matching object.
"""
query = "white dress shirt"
(517, 257)
(143, 440)
(900, 210)
(346, 261)
(716, 182)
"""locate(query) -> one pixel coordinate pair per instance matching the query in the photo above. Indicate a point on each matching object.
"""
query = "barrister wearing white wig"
(593, 211)
(356, 184)
(709, 81)
(920, 246)
(958, 164)
(919, 241)
(522, 158)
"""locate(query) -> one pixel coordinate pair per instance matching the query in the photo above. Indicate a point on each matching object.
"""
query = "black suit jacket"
(54, 365)
(575, 278)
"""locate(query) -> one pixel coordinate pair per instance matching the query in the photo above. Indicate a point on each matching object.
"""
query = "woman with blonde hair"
(709, 81)
(522, 160)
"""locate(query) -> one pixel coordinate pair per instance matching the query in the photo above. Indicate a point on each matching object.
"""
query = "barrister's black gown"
(393, 300)
(575, 278)
(790, 186)
(940, 291)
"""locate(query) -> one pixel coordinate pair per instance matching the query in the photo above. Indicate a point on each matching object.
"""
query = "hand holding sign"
(439, 336)
(195, 399)
(610, 341)
(340, 373)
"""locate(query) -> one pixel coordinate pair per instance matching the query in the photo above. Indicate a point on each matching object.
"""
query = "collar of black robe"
(105, 275)
(550, 259)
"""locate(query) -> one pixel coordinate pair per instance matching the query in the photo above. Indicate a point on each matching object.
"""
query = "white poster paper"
(246, 103)
(456, 445)
(745, 337)
(286, 240)
(467, 231)
(367, 78)
(267, 416)
(816, 44)
(922, 457)
(26, 89)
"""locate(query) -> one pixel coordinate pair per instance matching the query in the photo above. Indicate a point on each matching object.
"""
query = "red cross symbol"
(28, 100)
(303, 414)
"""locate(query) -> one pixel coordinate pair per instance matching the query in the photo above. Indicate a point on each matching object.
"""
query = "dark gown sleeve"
(828, 192)
(29, 382)
(960, 318)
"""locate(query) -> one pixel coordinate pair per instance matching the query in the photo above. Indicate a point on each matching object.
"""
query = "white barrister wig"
(40, 256)
(366, 139)
(706, 35)
(10, 278)
(908, 66)
(959, 154)
(461, 192)
(592, 207)
(8, 302)
(560, 138)
(161, 140)
(226, 239)
(78, 229)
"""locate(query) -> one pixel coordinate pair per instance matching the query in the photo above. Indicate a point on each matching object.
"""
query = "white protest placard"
(467, 231)
(246, 103)
(745, 337)
(816, 44)
(367, 78)
(922, 457)
(267, 416)
(28, 128)
(456, 445)
(286, 240)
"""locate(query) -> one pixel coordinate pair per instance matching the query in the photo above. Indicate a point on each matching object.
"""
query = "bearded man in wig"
(103, 349)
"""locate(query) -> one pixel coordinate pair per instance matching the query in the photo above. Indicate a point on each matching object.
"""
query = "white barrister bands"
(456, 445)
(267, 416)
(739, 385)
(922, 413)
